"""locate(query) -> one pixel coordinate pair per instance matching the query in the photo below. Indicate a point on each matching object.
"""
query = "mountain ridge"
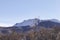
(36, 21)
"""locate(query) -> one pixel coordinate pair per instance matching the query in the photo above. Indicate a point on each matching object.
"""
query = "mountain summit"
(30, 22)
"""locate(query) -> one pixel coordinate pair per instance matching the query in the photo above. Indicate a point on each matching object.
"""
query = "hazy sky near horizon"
(14, 11)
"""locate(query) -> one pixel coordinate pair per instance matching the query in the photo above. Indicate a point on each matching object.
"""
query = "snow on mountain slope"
(30, 22)
(55, 20)
(33, 22)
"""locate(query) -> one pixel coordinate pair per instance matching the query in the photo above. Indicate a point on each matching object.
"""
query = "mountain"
(32, 29)
(38, 22)
(30, 22)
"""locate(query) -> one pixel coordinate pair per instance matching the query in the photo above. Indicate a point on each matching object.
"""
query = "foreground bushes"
(41, 34)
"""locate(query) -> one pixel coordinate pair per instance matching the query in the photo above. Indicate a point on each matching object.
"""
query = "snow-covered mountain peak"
(33, 22)
(30, 22)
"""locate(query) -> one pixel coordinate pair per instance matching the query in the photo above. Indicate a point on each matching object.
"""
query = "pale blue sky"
(14, 11)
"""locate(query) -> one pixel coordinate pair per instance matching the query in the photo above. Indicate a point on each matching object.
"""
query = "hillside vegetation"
(41, 34)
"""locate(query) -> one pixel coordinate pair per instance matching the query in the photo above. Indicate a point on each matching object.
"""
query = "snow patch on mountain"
(30, 22)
